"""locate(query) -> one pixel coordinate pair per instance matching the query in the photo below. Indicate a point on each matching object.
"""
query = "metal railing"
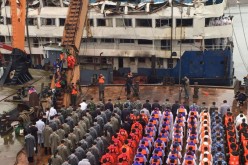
(132, 46)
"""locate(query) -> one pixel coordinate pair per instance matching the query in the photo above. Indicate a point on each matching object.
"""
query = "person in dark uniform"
(148, 106)
(33, 131)
(156, 105)
(109, 105)
(174, 109)
(129, 83)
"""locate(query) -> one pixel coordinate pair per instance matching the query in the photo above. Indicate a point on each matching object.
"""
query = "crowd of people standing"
(85, 134)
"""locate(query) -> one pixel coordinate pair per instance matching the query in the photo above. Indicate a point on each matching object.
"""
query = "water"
(240, 48)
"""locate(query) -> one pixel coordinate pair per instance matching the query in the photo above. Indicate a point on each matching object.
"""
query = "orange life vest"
(58, 84)
(233, 160)
(74, 91)
(101, 80)
(108, 157)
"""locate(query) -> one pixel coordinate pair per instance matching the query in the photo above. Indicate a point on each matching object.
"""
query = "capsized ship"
(157, 39)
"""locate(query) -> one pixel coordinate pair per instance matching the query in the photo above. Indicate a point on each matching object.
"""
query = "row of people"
(242, 130)
(155, 141)
(123, 146)
(232, 139)
(218, 139)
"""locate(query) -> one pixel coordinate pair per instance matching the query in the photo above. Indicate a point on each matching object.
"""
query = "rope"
(243, 28)
(234, 34)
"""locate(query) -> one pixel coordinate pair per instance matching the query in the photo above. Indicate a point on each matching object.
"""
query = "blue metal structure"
(210, 67)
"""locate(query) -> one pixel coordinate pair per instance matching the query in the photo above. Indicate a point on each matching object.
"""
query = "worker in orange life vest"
(107, 159)
(71, 61)
(74, 94)
(124, 158)
(234, 158)
(101, 81)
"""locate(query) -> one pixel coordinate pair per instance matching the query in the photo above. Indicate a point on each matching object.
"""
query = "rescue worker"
(94, 150)
(71, 61)
(236, 85)
(234, 158)
(224, 107)
(101, 81)
(84, 162)
(212, 108)
(118, 104)
(83, 105)
(108, 157)
(30, 146)
(129, 83)
(91, 106)
(55, 159)
(47, 132)
(61, 132)
(186, 83)
(57, 66)
(80, 152)
(74, 93)
(54, 141)
(91, 158)
(41, 126)
(109, 105)
(73, 159)
(63, 150)
(147, 106)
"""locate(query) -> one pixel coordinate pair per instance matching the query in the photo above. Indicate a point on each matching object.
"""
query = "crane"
(16, 72)
(73, 30)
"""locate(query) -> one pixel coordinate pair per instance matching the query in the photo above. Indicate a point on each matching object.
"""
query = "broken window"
(186, 41)
(160, 62)
(107, 40)
(36, 42)
(214, 21)
(143, 22)
(61, 21)
(126, 41)
(123, 22)
(2, 39)
(145, 42)
(91, 22)
(8, 39)
(170, 63)
(88, 60)
(184, 22)
(47, 39)
(85, 40)
(163, 23)
(132, 59)
(57, 39)
(1, 20)
(8, 21)
(47, 21)
(32, 21)
(141, 59)
(165, 44)
(108, 22)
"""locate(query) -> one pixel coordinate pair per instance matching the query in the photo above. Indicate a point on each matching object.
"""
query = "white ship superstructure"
(127, 35)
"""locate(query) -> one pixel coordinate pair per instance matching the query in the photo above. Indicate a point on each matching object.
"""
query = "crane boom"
(16, 72)
(74, 24)
(18, 23)
(72, 35)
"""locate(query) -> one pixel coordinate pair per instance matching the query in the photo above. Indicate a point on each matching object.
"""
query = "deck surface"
(160, 93)
(10, 144)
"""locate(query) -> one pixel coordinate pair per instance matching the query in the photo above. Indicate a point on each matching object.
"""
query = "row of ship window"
(119, 22)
